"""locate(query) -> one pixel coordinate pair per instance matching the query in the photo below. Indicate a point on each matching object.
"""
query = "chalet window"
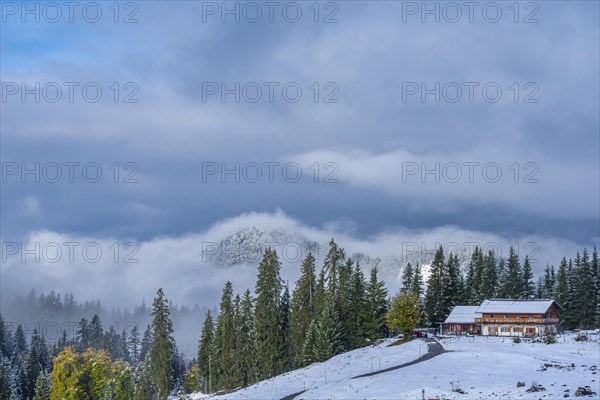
(505, 316)
(491, 315)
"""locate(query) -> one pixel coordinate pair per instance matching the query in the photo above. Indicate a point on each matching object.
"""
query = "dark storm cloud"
(374, 129)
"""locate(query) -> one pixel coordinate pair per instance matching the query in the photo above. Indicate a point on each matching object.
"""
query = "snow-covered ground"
(483, 367)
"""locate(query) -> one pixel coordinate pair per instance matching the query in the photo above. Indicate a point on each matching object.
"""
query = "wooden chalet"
(507, 317)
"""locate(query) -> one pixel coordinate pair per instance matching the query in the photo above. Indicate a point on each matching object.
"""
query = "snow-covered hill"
(481, 367)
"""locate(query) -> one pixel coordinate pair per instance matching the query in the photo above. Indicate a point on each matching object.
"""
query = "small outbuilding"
(462, 320)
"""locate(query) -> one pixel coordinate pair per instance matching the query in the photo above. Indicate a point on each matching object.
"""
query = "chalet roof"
(463, 315)
(516, 306)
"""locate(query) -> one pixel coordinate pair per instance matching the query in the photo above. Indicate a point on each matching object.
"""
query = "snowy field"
(481, 367)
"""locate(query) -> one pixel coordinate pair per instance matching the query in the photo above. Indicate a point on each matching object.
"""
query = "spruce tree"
(5, 340)
(245, 348)
(512, 285)
(302, 307)
(5, 378)
(549, 282)
(407, 278)
(436, 303)
(38, 361)
(270, 355)
(417, 281)
(562, 293)
(204, 349)
(144, 389)
(327, 343)
(42, 387)
(134, 345)
(83, 335)
(309, 347)
(284, 318)
(453, 287)
(584, 293)
(333, 262)
(539, 288)
(356, 309)
(96, 334)
(373, 319)
(342, 303)
(319, 298)
(595, 269)
(20, 349)
(224, 341)
(528, 289)
(163, 345)
(490, 277)
(146, 343)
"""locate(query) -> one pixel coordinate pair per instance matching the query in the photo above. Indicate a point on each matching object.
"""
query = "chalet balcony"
(517, 321)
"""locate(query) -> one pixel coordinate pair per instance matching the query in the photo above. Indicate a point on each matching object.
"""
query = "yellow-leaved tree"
(404, 313)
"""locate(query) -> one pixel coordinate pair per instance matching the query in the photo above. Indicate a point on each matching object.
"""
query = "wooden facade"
(522, 323)
(505, 317)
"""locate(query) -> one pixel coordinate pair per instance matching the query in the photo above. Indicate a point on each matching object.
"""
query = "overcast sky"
(485, 122)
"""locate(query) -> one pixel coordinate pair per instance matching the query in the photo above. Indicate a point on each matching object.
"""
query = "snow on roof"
(463, 315)
(515, 306)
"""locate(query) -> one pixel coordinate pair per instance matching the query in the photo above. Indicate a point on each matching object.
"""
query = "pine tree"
(453, 287)
(595, 268)
(327, 342)
(204, 349)
(333, 262)
(539, 288)
(319, 298)
(146, 343)
(5, 340)
(302, 307)
(269, 334)
(83, 334)
(527, 286)
(549, 283)
(490, 276)
(163, 344)
(144, 389)
(474, 281)
(584, 292)
(512, 283)
(310, 343)
(134, 345)
(417, 281)
(19, 380)
(284, 318)
(562, 293)
(96, 334)
(245, 349)
(20, 349)
(37, 362)
(342, 303)
(224, 342)
(373, 319)
(5, 378)
(42, 387)
(436, 303)
(407, 278)
(356, 309)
